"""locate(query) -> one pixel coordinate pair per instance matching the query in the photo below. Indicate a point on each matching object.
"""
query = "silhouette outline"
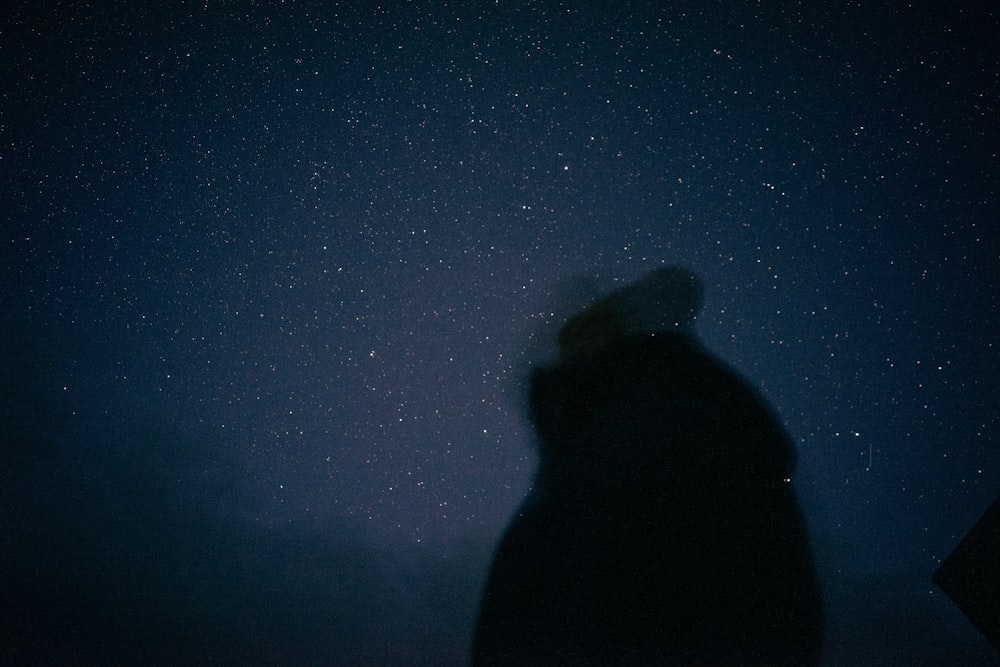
(661, 528)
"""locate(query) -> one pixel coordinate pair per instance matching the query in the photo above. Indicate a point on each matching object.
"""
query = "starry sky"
(273, 274)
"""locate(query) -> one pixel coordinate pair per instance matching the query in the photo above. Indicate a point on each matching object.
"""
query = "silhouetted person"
(662, 528)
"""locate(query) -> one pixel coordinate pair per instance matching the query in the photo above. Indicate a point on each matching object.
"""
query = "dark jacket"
(662, 528)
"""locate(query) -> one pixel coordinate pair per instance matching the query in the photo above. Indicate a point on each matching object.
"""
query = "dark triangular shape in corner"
(970, 576)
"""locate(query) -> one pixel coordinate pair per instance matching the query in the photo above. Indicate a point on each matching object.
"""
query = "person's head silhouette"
(667, 299)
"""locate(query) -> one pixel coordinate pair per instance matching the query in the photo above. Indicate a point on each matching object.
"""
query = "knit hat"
(667, 299)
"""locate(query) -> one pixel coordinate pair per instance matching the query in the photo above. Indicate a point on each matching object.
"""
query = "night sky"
(273, 274)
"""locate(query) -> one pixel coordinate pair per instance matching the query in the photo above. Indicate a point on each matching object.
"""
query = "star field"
(288, 265)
